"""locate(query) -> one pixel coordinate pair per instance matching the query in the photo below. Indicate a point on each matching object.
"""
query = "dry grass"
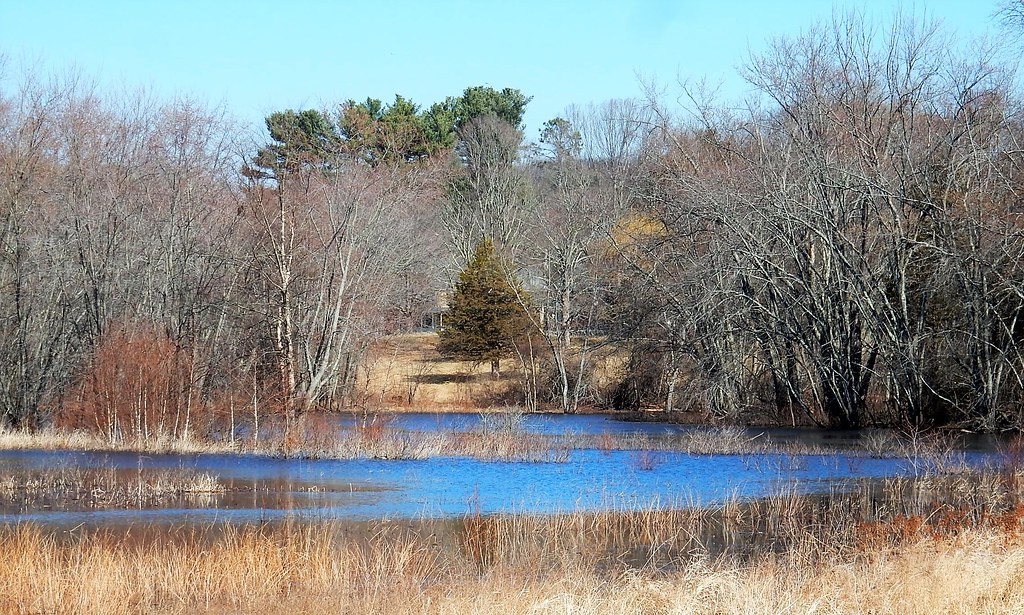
(376, 442)
(53, 439)
(372, 441)
(407, 372)
(501, 437)
(239, 570)
(508, 564)
(104, 488)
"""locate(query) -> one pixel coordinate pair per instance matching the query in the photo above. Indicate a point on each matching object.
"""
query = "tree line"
(843, 249)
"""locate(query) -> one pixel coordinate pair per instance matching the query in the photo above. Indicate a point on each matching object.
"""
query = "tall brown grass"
(879, 549)
(320, 438)
(502, 436)
(311, 569)
(81, 440)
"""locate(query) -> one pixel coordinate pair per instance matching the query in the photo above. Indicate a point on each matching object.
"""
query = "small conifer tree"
(487, 313)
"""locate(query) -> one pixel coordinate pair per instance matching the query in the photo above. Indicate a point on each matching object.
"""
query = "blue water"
(443, 487)
(266, 488)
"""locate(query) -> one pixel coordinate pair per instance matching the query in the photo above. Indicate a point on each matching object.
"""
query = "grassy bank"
(501, 437)
(377, 440)
(371, 441)
(951, 544)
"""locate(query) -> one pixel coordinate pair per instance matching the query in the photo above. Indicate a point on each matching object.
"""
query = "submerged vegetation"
(103, 488)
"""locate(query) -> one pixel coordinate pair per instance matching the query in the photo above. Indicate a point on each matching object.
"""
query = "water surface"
(269, 489)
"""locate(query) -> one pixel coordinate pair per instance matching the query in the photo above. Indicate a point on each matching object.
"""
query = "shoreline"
(501, 436)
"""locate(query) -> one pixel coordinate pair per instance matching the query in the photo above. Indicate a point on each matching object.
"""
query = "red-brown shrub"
(138, 385)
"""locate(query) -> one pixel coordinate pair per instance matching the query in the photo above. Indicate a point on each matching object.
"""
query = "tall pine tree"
(487, 312)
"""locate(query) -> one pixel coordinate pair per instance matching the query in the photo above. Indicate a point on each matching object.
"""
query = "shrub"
(137, 385)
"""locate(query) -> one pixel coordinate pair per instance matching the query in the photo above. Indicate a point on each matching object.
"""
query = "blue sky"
(255, 57)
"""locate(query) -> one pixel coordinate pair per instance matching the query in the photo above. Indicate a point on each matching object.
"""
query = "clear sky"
(256, 57)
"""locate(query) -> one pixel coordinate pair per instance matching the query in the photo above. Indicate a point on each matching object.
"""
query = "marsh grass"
(502, 436)
(104, 488)
(232, 570)
(724, 440)
(867, 549)
(16, 439)
(493, 446)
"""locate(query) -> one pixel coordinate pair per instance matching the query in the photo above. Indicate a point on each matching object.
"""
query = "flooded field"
(69, 488)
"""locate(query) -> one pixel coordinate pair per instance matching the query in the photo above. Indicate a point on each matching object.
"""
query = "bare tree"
(832, 199)
(37, 315)
(334, 251)
(488, 194)
(582, 186)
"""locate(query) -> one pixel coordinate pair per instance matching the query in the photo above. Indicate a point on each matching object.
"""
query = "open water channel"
(269, 489)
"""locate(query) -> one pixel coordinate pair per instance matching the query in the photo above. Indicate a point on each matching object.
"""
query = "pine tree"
(487, 311)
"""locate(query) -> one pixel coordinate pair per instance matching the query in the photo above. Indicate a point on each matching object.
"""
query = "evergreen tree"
(486, 315)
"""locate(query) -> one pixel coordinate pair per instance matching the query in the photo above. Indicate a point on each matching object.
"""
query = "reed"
(375, 441)
(567, 563)
(103, 488)
(54, 439)
(501, 437)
